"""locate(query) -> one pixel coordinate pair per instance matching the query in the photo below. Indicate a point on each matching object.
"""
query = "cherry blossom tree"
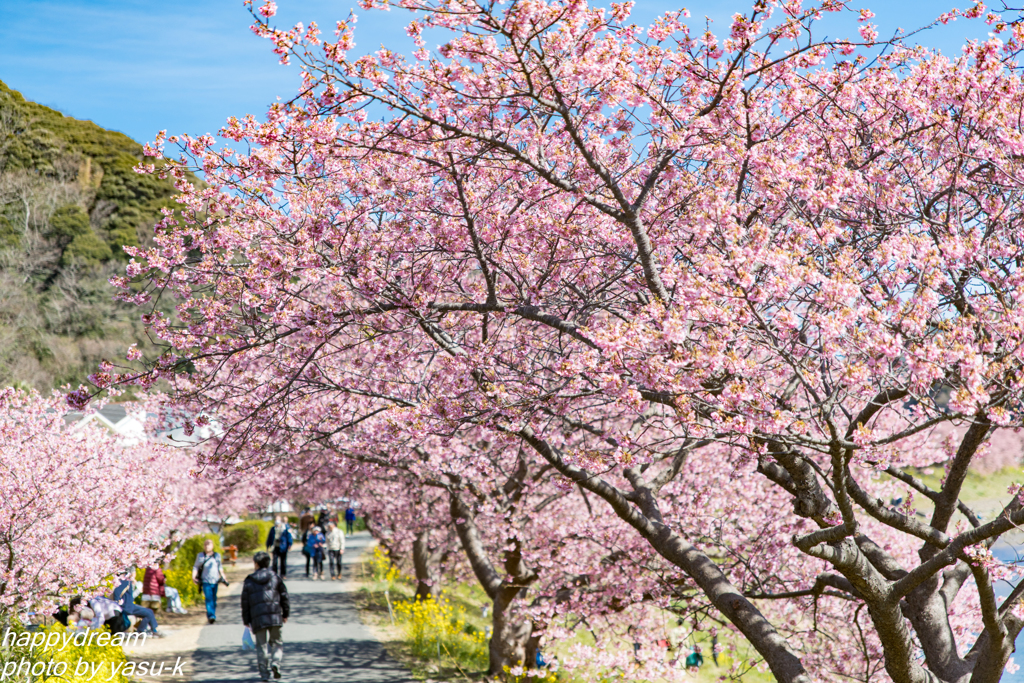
(80, 503)
(642, 254)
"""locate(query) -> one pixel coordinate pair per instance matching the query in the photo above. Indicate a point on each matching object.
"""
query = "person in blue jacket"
(124, 596)
(316, 548)
(279, 540)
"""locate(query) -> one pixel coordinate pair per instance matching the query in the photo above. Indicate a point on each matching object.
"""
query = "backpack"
(119, 623)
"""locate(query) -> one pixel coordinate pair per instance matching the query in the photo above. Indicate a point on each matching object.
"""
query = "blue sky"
(139, 66)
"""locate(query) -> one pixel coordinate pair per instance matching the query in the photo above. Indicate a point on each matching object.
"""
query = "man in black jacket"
(264, 610)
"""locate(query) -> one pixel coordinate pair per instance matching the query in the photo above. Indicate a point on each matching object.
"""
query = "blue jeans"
(146, 616)
(210, 593)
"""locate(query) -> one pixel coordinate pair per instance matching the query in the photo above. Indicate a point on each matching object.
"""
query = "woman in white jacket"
(335, 549)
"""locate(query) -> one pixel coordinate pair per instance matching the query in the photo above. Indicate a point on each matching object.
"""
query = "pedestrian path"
(324, 641)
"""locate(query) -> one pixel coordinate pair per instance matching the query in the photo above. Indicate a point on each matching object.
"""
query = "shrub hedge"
(248, 536)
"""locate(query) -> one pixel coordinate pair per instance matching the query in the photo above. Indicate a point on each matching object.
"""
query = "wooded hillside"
(69, 200)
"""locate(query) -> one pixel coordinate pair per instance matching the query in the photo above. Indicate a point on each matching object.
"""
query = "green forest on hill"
(69, 200)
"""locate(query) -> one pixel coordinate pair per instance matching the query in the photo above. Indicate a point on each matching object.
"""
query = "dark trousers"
(147, 620)
(349, 526)
(281, 556)
(335, 559)
(318, 562)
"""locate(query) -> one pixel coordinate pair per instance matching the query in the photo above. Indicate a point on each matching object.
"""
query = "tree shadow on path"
(319, 662)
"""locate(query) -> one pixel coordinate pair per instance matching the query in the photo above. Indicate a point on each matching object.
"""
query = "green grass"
(984, 494)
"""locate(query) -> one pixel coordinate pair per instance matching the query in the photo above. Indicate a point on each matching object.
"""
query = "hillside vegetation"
(69, 200)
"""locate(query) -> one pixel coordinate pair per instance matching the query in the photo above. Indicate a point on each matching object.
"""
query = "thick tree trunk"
(426, 582)
(511, 637)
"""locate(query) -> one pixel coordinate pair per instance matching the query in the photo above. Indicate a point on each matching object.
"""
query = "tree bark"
(509, 638)
(508, 645)
(426, 580)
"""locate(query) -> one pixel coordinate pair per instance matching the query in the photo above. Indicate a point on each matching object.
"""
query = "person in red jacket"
(153, 587)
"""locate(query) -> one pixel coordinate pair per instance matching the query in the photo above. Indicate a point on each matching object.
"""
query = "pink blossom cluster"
(80, 503)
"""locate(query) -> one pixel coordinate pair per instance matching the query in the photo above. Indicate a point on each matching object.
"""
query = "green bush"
(9, 235)
(68, 222)
(122, 228)
(86, 249)
(248, 536)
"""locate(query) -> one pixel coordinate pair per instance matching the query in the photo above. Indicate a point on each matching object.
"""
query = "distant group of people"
(694, 657)
(321, 538)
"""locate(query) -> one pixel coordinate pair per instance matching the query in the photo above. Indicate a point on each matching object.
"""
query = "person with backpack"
(124, 596)
(279, 540)
(208, 572)
(265, 610)
(316, 546)
(335, 549)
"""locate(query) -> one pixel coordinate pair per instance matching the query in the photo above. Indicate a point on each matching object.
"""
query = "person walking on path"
(316, 546)
(272, 534)
(279, 540)
(335, 549)
(208, 572)
(265, 610)
(306, 521)
(305, 548)
(350, 520)
(125, 597)
(306, 524)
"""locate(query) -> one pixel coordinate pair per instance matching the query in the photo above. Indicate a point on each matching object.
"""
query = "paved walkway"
(324, 641)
